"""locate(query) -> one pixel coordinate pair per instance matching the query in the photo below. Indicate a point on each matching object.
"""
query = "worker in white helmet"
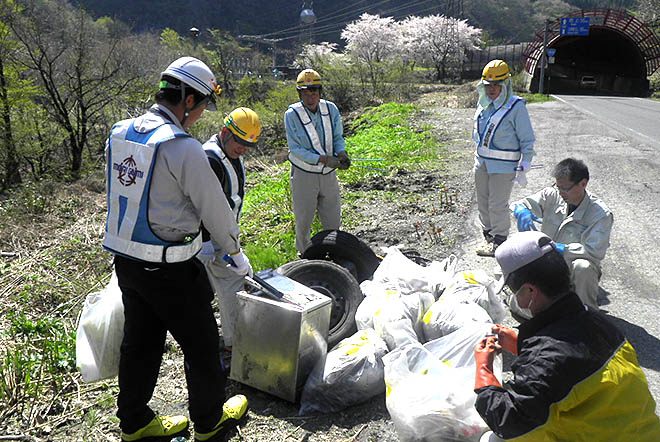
(504, 141)
(160, 188)
(315, 136)
(225, 152)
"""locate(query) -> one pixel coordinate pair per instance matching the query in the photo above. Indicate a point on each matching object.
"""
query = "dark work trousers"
(158, 298)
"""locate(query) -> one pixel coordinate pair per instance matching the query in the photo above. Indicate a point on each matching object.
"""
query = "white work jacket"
(585, 232)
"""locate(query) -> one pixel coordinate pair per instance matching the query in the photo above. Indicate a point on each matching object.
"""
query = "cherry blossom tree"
(438, 41)
(314, 56)
(370, 41)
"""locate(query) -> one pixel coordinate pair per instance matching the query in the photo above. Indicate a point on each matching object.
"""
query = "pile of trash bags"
(417, 329)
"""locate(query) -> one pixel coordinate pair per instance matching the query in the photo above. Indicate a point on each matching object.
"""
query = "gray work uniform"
(231, 175)
(585, 232)
(314, 188)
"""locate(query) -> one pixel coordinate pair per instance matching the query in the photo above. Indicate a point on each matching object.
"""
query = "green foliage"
(385, 132)
(267, 223)
(252, 90)
(271, 114)
(43, 351)
(535, 98)
(654, 81)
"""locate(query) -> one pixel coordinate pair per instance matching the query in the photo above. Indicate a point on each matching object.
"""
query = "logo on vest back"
(128, 171)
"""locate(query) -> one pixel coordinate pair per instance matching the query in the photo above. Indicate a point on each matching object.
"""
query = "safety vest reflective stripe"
(131, 158)
(485, 149)
(152, 252)
(313, 136)
(234, 184)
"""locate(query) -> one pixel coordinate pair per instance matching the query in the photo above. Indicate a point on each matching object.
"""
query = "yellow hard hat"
(244, 123)
(308, 79)
(495, 71)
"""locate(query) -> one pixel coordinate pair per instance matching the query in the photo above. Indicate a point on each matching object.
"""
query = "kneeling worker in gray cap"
(576, 377)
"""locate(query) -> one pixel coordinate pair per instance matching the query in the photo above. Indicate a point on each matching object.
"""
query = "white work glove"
(239, 263)
(207, 254)
(524, 166)
(520, 178)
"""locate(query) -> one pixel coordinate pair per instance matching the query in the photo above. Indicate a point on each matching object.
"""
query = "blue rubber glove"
(524, 217)
(560, 247)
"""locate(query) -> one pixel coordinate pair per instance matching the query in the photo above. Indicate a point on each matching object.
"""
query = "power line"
(303, 29)
(333, 16)
(332, 28)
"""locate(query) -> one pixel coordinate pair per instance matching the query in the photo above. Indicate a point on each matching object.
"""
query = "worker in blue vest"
(504, 141)
(315, 136)
(160, 187)
(225, 152)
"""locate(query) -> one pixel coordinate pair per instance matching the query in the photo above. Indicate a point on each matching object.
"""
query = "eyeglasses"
(564, 189)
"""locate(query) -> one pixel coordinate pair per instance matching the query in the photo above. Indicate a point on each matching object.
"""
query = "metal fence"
(476, 60)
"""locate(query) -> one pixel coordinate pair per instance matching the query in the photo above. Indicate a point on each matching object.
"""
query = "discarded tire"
(335, 282)
(344, 249)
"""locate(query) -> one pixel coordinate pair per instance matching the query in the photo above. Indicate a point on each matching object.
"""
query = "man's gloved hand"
(239, 263)
(331, 161)
(560, 247)
(520, 178)
(207, 254)
(507, 338)
(524, 166)
(344, 160)
(484, 355)
(524, 218)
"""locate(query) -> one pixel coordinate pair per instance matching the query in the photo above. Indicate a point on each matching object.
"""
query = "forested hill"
(504, 20)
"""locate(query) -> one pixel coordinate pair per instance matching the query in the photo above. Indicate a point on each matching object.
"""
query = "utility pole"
(543, 56)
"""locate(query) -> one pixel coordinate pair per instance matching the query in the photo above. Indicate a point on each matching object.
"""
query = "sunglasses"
(241, 141)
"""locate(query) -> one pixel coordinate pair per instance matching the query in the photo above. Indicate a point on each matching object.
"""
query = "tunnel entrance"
(616, 57)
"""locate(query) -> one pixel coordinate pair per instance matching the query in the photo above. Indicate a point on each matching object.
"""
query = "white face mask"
(524, 312)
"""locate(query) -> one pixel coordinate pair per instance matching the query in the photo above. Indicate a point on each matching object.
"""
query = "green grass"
(535, 98)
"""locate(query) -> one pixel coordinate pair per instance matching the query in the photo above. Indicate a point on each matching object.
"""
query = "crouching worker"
(225, 154)
(578, 221)
(159, 189)
(576, 377)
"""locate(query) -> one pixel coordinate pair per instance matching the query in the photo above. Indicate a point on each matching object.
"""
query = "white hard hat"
(195, 74)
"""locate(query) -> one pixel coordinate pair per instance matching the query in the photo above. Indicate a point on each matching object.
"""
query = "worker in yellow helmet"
(315, 136)
(225, 152)
(504, 139)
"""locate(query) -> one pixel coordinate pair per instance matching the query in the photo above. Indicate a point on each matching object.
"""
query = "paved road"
(638, 118)
(625, 172)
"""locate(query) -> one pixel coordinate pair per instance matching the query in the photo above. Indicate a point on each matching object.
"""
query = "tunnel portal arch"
(616, 57)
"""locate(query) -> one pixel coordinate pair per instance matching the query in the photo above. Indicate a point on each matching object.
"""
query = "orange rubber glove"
(507, 338)
(484, 354)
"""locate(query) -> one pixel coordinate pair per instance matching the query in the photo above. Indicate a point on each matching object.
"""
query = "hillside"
(508, 21)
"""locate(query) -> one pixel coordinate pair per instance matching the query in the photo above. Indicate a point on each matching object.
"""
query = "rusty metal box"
(277, 343)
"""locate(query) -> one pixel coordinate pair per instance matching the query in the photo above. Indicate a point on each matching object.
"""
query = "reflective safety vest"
(485, 148)
(233, 193)
(314, 139)
(131, 159)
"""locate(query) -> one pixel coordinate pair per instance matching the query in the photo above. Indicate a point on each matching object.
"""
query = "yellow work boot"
(160, 426)
(232, 411)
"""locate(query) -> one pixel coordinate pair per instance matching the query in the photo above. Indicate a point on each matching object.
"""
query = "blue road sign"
(550, 52)
(575, 26)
